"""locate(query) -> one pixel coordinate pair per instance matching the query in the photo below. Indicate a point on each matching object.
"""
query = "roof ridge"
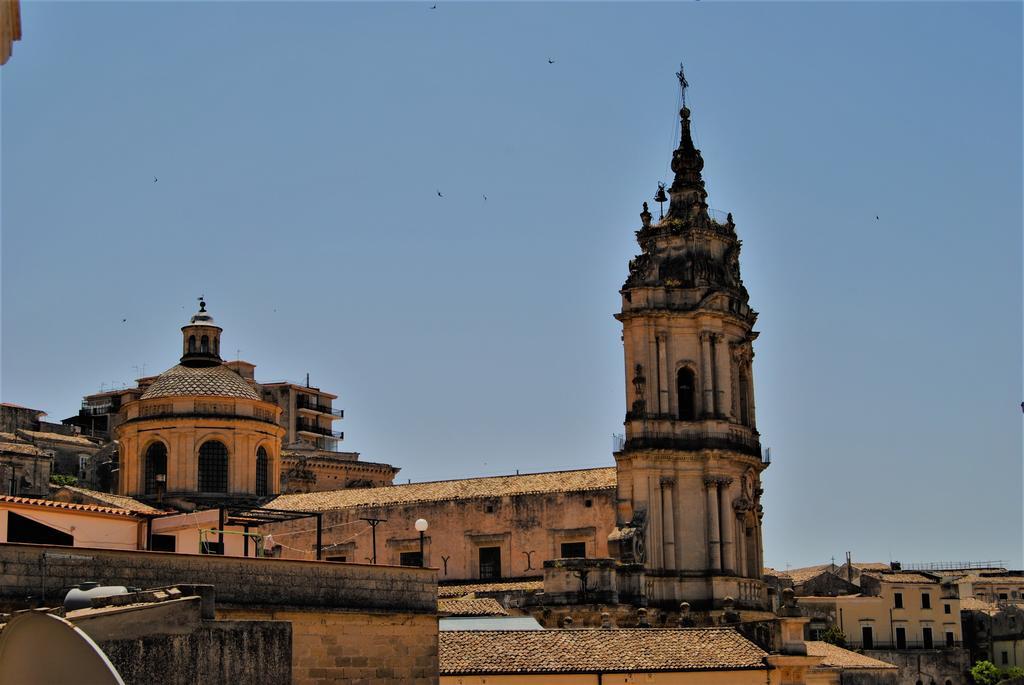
(459, 480)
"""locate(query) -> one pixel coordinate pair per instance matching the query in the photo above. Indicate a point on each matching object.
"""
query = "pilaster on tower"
(687, 331)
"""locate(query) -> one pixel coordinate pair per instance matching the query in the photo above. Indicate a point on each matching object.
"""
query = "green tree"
(834, 636)
(1012, 673)
(61, 480)
(985, 673)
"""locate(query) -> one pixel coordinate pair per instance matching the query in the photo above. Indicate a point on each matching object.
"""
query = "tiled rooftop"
(837, 657)
(530, 585)
(470, 607)
(205, 381)
(57, 437)
(568, 651)
(119, 501)
(11, 447)
(469, 488)
(902, 577)
(70, 506)
(975, 604)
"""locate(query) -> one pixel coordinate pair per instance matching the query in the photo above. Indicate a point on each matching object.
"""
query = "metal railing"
(302, 403)
(307, 427)
(96, 409)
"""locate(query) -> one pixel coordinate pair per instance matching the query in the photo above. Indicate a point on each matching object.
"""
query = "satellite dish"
(42, 649)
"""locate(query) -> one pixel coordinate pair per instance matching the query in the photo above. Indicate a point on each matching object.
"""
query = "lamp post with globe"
(421, 526)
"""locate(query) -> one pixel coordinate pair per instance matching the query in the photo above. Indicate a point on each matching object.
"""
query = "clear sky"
(300, 149)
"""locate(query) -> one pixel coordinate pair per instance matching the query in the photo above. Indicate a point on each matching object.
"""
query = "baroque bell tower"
(689, 468)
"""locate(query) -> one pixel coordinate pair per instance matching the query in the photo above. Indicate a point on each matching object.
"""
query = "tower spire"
(688, 197)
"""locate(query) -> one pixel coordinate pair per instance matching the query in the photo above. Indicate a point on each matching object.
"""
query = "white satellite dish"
(42, 649)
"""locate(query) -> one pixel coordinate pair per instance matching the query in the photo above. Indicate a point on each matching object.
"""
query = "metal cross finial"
(683, 83)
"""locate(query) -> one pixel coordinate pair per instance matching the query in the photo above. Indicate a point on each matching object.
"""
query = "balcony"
(304, 402)
(98, 409)
(697, 440)
(307, 427)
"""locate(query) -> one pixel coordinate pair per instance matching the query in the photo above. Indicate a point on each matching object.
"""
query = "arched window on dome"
(685, 386)
(204, 345)
(262, 472)
(156, 468)
(191, 343)
(213, 467)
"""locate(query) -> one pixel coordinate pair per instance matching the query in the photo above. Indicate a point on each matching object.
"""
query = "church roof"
(594, 651)
(469, 488)
(203, 381)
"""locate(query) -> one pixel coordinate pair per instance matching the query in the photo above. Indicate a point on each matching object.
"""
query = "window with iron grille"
(262, 485)
(213, 467)
(156, 465)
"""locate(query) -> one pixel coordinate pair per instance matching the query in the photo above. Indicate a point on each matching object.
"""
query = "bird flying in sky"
(439, 194)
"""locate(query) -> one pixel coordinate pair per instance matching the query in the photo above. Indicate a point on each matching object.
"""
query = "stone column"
(668, 524)
(750, 394)
(708, 403)
(662, 344)
(741, 546)
(677, 515)
(714, 553)
(655, 533)
(728, 522)
(723, 382)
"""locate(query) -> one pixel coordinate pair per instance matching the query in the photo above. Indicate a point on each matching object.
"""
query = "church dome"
(202, 381)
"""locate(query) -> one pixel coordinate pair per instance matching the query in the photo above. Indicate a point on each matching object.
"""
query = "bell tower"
(689, 467)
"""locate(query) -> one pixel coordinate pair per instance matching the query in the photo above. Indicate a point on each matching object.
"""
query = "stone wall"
(218, 653)
(27, 572)
(334, 646)
(926, 665)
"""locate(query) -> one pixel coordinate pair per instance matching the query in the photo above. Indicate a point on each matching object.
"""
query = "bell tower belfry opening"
(688, 473)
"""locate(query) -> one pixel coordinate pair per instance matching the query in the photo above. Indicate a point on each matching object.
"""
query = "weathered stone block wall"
(334, 646)
(29, 571)
(218, 653)
(926, 665)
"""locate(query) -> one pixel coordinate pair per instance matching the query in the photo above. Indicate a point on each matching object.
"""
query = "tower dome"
(200, 340)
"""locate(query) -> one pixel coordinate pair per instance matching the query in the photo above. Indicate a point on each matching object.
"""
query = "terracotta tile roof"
(902, 577)
(118, 501)
(837, 657)
(471, 607)
(205, 381)
(975, 604)
(574, 651)
(57, 437)
(802, 575)
(993, 580)
(530, 585)
(26, 448)
(70, 506)
(469, 488)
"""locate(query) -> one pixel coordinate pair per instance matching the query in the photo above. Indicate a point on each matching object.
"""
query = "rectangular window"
(926, 638)
(164, 543)
(901, 638)
(946, 609)
(1002, 596)
(950, 639)
(926, 600)
(897, 599)
(574, 550)
(866, 638)
(1006, 658)
(208, 547)
(410, 559)
(341, 559)
(490, 562)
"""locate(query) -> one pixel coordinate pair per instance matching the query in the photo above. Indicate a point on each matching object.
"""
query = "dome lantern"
(200, 339)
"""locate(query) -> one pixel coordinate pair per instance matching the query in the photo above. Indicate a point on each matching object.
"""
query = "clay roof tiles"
(484, 606)
(837, 657)
(589, 651)
(205, 381)
(57, 437)
(902, 577)
(582, 480)
(70, 506)
(530, 585)
(106, 498)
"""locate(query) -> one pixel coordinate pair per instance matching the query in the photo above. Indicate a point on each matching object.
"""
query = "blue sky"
(300, 148)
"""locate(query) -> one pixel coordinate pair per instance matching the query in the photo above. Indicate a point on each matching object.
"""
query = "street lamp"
(421, 526)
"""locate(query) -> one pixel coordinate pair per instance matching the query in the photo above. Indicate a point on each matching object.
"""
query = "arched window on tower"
(213, 467)
(262, 481)
(685, 386)
(204, 345)
(191, 343)
(744, 399)
(156, 468)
